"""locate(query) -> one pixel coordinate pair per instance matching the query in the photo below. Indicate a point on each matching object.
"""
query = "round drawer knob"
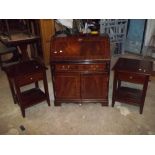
(55, 51)
(31, 78)
(130, 77)
(60, 51)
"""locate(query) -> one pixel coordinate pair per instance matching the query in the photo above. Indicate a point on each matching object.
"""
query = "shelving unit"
(116, 29)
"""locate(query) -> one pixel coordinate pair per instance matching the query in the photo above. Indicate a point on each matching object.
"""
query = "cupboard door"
(94, 86)
(67, 85)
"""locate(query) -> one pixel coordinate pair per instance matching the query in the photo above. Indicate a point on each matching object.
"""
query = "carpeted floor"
(75, 119)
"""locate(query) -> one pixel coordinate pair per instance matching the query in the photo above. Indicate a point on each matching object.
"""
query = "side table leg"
(114, 89)
(46, 88)
(144, 94)
(57, 103)
(37, 84)
(12, 90)
(23, 111)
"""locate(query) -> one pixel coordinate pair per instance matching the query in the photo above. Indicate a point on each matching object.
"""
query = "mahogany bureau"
(80, 67)
(23, 74)
(133, 71)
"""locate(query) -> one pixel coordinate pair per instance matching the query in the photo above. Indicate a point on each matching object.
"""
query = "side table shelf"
(32, 97)
(129, 95)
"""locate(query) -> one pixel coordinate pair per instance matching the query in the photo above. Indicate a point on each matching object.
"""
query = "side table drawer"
(27, 79)
(130, 77)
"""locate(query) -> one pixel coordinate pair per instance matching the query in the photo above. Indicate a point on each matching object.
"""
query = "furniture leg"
(57, 103)
(12, 90)
(104, 103)
(46, 88)
(114, 89)
(37, 84)
(144, 94)
(23, 111)
(119, 84)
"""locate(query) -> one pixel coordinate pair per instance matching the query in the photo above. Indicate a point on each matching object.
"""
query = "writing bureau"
(80, 67)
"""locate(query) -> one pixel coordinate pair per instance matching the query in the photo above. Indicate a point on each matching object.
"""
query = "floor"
(74, 119)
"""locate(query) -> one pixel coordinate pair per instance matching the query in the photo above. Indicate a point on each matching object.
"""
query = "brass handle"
(130, 77)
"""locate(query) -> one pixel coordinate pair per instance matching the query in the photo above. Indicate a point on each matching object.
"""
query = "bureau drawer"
(81, 67)
(93, 67)
(27, 79)
(65, 67)
(130, 77)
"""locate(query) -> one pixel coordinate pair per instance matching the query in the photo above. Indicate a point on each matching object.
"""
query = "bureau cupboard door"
(94, 86)
(67, 86)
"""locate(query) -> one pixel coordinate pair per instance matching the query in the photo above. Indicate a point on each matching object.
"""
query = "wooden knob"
(130, 77)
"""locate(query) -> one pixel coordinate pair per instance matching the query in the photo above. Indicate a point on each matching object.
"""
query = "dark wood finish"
(80, 69)
(134, 71)
(25, 73)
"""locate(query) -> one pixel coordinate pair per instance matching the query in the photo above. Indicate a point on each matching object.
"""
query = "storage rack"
(117, 30)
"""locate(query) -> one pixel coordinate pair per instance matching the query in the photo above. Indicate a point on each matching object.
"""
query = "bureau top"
(80, 47)
(134, 66)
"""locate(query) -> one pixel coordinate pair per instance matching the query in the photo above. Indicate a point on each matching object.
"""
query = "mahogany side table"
(133, 71)
(23, 74)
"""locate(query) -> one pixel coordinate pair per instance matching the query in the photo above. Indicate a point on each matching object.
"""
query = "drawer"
(27, 79)
(65, 67)
(130, 77)
(81, 67)
(93, 67)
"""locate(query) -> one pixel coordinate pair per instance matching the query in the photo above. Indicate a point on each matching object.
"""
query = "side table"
(133, 71)
(23, 74)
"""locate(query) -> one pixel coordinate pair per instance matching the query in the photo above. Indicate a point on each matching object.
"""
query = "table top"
(24, 68)
(134, 66)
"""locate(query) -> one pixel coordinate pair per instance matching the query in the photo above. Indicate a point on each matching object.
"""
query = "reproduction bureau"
(80, 67)
(133, 71)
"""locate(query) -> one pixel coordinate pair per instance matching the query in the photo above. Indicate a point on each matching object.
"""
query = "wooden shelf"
(129, 95)
(32, 96)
